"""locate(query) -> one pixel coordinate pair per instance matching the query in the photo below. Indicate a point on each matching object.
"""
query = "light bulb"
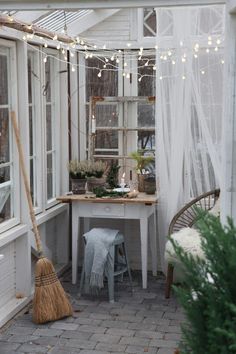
(183, 60)
(123, 74)
(209, 38)
(104, 46)
(112, 58)
(104, 66)
(95, 47)
(73, 68)
(169, 53)
(165, 57)
(222, 61)
(154, 68)
(125, 64)
(86, 56)
(216, 49)
(63, 51)
(218, 41)
(141, 49)
(99, 74)
(117, 61)
(82, 42)
(208, 50)
(77, 39)
(128, 44)
(140, 79)
(173, 62)
(195, 56)
(90, 55)
(58, 46)
(106, 60)
(45, 45)
(202, 72)
(146, 64)
(55, 37)
(156, 46)
(160, 77)
(209, 42)
(181, 43)
(72, 54)
(139, 58)
(65, 57)
(183, 77)
(45, 59)
(127, 76)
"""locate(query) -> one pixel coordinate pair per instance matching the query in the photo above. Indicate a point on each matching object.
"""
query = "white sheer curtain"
(188, 107)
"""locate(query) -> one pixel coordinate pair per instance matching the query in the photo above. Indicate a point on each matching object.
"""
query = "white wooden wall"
(118, 27)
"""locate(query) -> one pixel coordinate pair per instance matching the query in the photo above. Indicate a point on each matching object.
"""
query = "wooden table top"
(141, 198)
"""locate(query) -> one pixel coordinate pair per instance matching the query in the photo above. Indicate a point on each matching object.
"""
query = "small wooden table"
(141, 208)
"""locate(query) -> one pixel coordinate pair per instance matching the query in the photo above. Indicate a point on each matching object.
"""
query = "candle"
(122, 181)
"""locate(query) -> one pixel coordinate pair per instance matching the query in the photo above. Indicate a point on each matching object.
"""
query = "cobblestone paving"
(142, 322)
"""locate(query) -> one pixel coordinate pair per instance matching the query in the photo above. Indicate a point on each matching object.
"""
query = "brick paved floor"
(144, 322)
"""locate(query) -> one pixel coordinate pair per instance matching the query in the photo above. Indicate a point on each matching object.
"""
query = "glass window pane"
(31, 131)
(4, 174)
(4, 136)
(106, 139)
(49, 177)
(106, 115)
(32, 179)
(146, 140)
(3, 80)
(47, 87)
(149, 23)
(5, 204)
(30, 79)
(147, 85)
(106, 85)
(49, 126)
(146, 115)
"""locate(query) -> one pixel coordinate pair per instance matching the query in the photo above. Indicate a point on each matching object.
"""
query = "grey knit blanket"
(98, 243)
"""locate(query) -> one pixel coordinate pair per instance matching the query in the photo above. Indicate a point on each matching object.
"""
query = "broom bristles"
(50, 301)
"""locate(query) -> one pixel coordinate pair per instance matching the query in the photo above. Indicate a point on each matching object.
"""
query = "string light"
(45, 59)
(112, 58)
(203, 72)
(117, 61)
(140, 79)
(65, 57)
(127, 75)
(181, 43)
(208, 50)
(216, 49)
(63, 51)
(169, 53)
(104, 66)
(183, 59)
(156, 46)
(218, 41)
(173, 62)
(128, 44)
(73, 68)
(45, 45)
(72, 54)
(222, 61)
(183, 77)
(100, 73)
(147, 62)
(95, 47)
(154, 68)
(58, 46)
(104, 46)
(24, 38)
(209, 42)
(125, 64)
(55, 37)
(195, 56)
(106, 60)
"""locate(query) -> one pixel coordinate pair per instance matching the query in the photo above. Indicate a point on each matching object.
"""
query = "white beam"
(98, 4)
(92, 19)
(228, 189)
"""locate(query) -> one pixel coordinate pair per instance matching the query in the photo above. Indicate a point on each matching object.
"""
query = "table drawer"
(104, 209)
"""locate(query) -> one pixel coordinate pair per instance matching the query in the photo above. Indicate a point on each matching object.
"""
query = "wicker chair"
(186, 217)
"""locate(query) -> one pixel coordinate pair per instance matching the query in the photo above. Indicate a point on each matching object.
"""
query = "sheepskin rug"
(189, 239)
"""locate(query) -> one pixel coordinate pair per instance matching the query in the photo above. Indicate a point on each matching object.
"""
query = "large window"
(44, 127)
(9, 177)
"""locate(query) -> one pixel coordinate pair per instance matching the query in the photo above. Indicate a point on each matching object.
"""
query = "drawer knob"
(107, 209)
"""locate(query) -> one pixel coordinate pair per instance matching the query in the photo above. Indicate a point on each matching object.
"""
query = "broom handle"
(26, 183)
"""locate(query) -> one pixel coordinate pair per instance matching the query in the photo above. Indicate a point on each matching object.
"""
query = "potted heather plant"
(78, 175)
(95, 174)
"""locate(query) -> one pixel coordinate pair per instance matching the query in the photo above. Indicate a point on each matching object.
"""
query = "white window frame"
(14, 159)
(55, 91)
(37, 129)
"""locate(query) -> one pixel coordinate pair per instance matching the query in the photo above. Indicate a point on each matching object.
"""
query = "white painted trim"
(99, 4)
(82, 111)
(89, 20)
(12, 234)
(51, 213)
(74, 108)
(12, 308)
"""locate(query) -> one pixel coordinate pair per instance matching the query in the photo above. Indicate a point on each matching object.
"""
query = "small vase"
(150, 184)
(93, 182)
(78, 186)
(141, 179)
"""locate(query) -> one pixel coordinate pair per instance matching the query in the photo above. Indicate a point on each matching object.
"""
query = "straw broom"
(50, 301)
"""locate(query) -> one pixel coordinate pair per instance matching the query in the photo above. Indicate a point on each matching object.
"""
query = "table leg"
(75, 242)
(153, 241)
(144, 248)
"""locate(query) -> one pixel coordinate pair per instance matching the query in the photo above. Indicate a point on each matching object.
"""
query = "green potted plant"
(78, 175)
(142, 162)
(95, 174)
(112, 175)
